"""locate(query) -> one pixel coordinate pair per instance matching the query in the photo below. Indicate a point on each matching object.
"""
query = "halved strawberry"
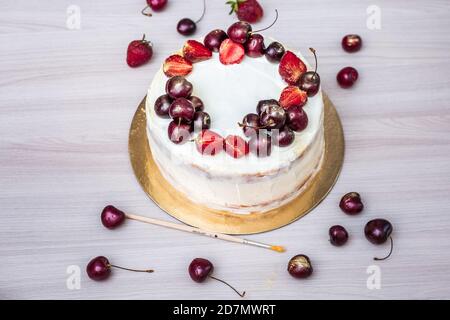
(293, 96)
(176, 65)
(291, 68)
(231, 52)
(235, 146)
(209, 143)
(195, 51)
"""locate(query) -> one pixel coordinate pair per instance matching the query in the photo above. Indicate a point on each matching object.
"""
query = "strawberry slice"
(176, 65)
(231, 52)
(235, 146)
(293, 96)
(291, 68)
(209, 143)
(195, 51)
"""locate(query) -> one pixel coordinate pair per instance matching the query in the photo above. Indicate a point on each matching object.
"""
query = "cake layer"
(240, 185)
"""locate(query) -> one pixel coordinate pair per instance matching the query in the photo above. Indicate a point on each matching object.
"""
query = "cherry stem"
(390, 252)
(134, 270)
(270, 26)
(240, 294)
(315, 59)
(148, 14)
(203, 13)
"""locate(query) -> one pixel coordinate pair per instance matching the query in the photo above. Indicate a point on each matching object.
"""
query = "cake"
(207, 137)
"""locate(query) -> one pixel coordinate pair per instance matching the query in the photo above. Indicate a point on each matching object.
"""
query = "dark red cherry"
(273, 117)
(347, 77)
(186, 27)
(157, 5)
(264, 105)
(296, 118)
(310, 81)
(214, 39)
(112, 217)
(254, 47)
(178, 87)
(250, 124)
(351, 43)
(274, 52)
(377, 231)
(201, 121)
(162, 105)
(260, 144)
(351, 203)
(200, 269)
(300, 267)
(284, 137)
(338, 235)
(179, 133)
(182, 110)
(197, 103)
(98, 268)
(239, 31)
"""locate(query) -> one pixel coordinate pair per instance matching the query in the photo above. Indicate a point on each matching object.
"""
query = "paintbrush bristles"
(278, 248)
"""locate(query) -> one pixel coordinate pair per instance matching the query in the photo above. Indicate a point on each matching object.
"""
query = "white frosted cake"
(247, 181)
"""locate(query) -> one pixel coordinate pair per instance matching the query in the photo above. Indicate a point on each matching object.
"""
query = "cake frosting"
(248, 184)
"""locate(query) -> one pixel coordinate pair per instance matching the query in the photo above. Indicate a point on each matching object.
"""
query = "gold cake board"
(178, 206)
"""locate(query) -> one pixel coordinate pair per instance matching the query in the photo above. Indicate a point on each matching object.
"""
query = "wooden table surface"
(67, 98)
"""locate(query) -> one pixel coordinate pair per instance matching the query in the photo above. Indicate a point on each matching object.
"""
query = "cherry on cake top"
(275, 121)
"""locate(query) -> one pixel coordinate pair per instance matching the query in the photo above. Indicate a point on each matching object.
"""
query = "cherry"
(178, 87)
(300, 266)
(241, 31)
(250, 124)
(99, 268)
(209, 142)
(182, 110)
(347, 77)
(264, 105)
(112, 217)
(200, 269)
(156, 5)
(254, 47)
(351, 203)
(214, 39)
(179, 133)
(310, 81)
(162, 105)
(338, 235)
(273, 117)
(377, 231)
(274, 52)
(284, 137)
(201, 121)
(187, 26)
(351, 43)
(260, 144)
(197, 103)
(296, 118)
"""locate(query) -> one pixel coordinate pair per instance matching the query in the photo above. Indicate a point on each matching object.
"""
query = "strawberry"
(231, 52)
(176, 65)
(247, 10)
(291, 68)
(195, 51)
(293, 96)
(139, 52)
(209, 143)
(235, 146)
